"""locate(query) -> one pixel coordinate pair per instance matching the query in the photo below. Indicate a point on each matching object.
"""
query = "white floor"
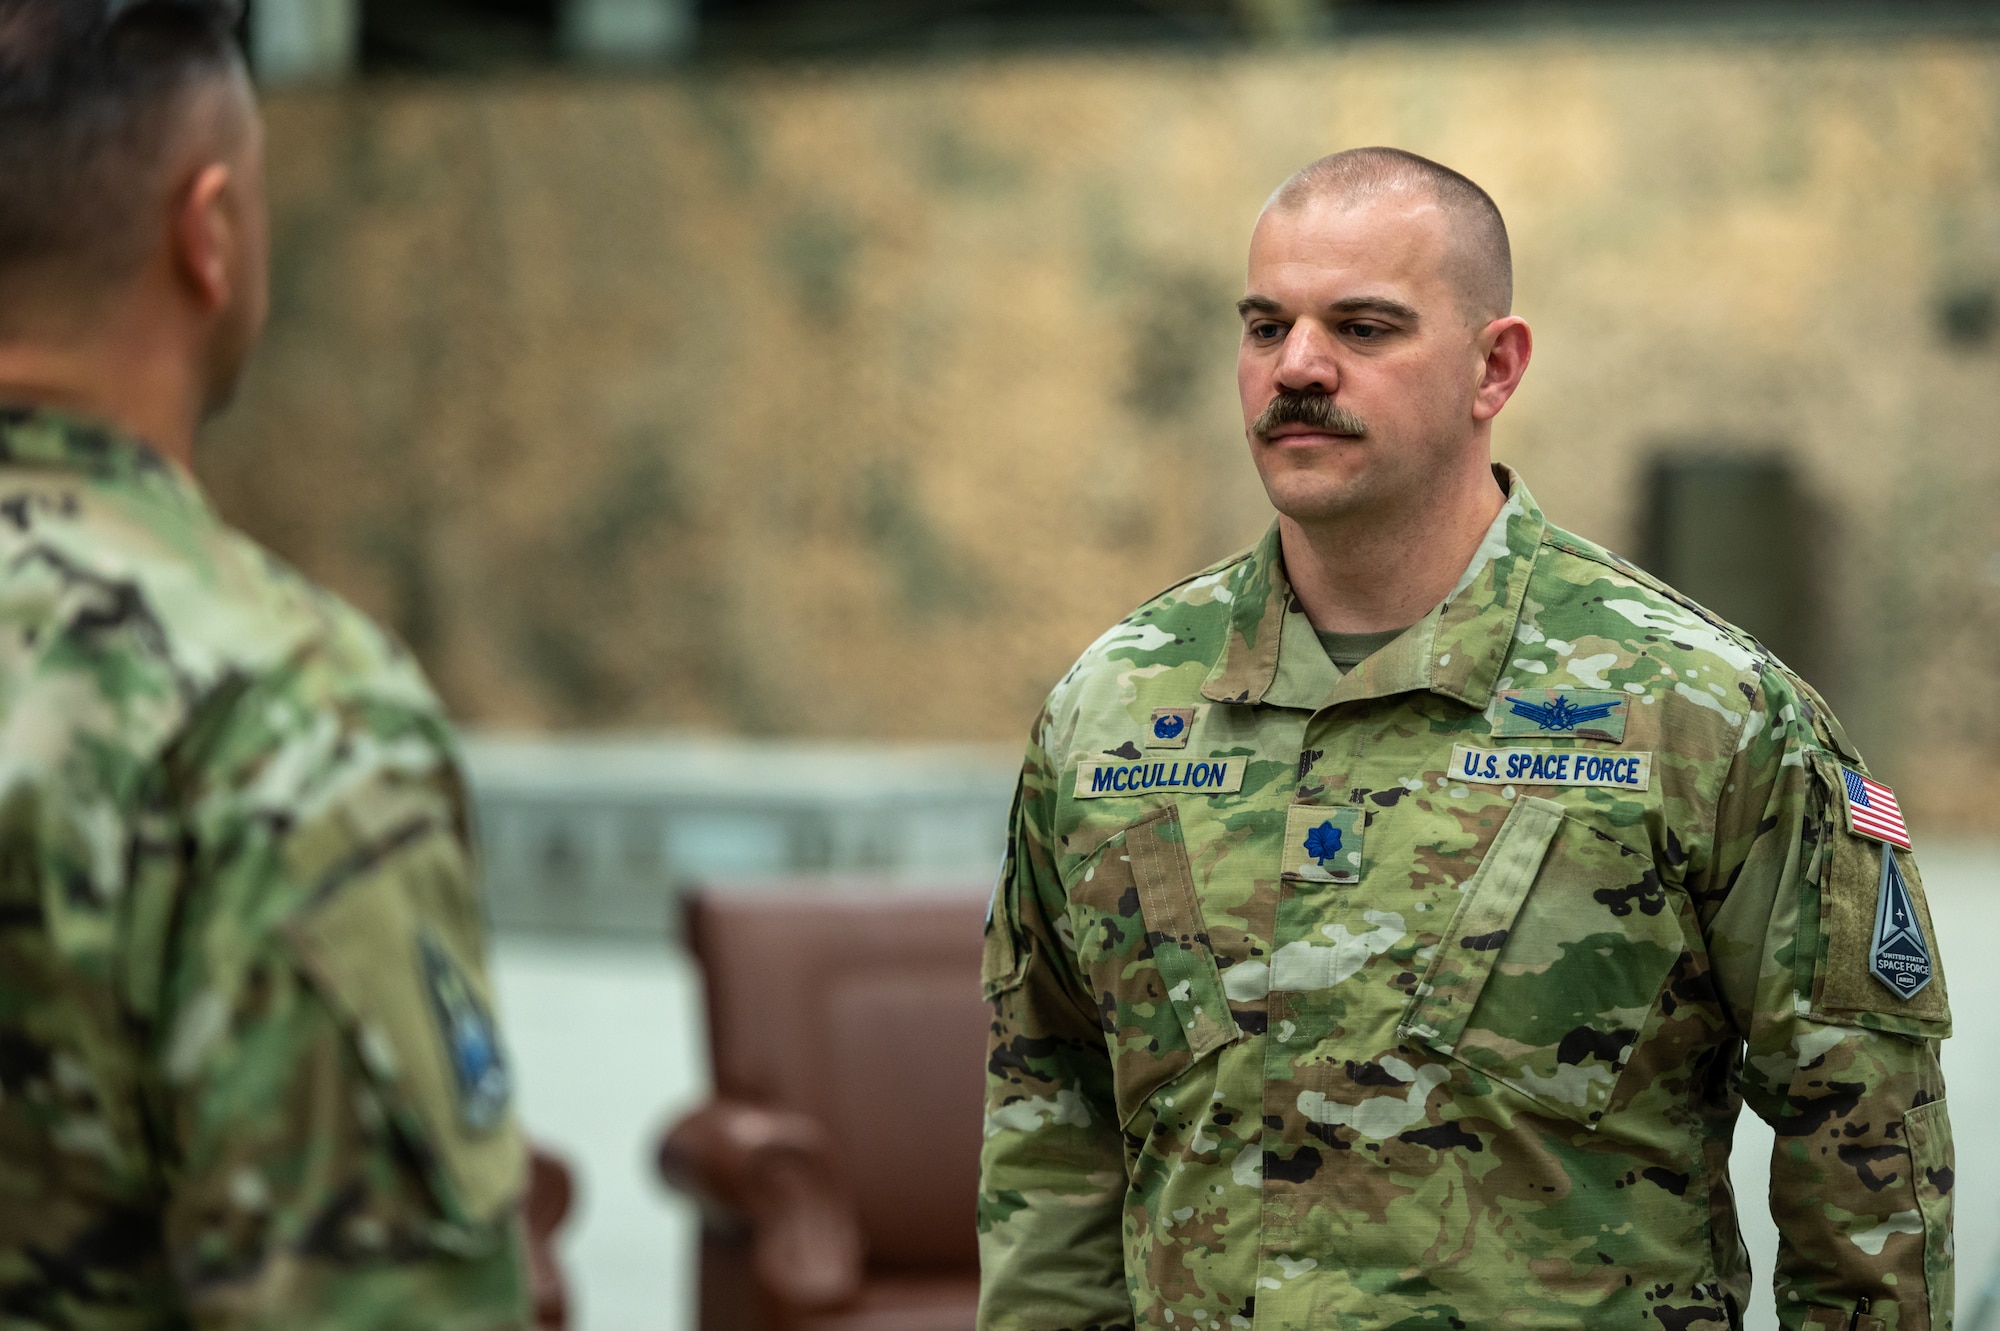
(609, 1042)
(610, 1047)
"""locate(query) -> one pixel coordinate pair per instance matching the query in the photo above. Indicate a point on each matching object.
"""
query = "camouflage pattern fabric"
(1326, 1002)
(248, 1075)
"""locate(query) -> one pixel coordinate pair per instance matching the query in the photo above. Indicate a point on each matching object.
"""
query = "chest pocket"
(1553, 963)
(1140, 938)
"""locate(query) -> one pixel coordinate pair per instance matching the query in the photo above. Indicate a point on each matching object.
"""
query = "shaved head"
(1481, 262)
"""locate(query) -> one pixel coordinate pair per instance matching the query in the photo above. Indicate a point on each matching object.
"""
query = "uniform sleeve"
(1843, 1068)
(338, 1147)
(1052, 1170)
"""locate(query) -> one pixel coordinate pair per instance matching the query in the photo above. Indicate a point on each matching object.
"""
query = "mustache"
(1315, 409)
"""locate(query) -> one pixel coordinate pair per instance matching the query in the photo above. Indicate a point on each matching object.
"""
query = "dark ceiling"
(488, 35)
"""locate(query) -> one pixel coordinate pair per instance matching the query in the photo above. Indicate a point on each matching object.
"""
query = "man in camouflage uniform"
(1398, 913)
(249, 1074)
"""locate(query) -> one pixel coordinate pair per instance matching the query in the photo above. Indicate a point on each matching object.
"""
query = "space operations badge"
(1584, 713)
(1213, 776)
(1898, 955)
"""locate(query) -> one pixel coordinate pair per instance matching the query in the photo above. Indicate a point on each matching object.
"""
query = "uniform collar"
(35, 437)
(1458, 650)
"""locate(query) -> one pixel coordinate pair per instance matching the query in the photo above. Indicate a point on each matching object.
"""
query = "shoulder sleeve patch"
(1878, 958)
(397, 953)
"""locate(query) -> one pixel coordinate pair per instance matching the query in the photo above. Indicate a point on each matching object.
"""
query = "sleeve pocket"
(1003, 961)
(397, 954)
(1000, 967)
(1928, 1131)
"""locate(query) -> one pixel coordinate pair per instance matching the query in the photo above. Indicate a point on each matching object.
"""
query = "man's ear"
(207, 234)
(1508, 346)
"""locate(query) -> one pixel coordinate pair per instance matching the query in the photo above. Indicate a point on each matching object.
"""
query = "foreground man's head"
(1378, 343)
(132, 227)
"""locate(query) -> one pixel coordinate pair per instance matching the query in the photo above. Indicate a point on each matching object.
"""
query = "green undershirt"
(1348, 650)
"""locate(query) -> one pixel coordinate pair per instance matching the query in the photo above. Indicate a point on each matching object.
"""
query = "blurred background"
(748, 408)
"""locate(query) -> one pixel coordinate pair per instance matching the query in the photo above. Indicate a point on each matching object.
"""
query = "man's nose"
(1306, 362)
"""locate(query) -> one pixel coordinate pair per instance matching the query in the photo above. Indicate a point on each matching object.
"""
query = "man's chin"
(1325, 500)
(1312, 472)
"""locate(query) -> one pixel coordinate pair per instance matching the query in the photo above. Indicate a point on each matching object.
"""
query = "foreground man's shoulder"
(129, 577)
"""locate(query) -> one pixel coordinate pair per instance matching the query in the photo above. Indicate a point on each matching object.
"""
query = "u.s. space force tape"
(1551, 767)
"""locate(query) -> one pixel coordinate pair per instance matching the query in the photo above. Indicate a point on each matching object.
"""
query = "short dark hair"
(88, 95)
(1485, 258)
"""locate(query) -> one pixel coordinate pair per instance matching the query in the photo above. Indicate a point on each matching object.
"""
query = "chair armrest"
(772, 1170)
(551, 1189)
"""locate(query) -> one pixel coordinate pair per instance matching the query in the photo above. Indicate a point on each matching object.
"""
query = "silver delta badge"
(1898, 956)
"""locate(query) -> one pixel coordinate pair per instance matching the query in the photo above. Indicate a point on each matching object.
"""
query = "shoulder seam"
(1217, 567)
(1572, 545)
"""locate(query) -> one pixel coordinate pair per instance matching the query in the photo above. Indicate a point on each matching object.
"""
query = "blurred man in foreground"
(1399, 913)
(249, 1073)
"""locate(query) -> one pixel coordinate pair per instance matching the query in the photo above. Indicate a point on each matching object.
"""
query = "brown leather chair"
(551, 1188)
(838, 1164)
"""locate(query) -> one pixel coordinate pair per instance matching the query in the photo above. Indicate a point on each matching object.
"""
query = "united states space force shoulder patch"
(471, 1041)
(1898, 955)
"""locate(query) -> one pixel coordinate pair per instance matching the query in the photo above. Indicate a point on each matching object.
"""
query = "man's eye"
(1264, 330)
(1366, 332)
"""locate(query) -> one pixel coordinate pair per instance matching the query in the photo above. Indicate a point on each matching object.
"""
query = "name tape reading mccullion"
(1218, 776)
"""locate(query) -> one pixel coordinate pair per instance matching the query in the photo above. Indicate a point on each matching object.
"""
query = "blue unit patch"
(1561, 714)
(471, 1040)
(1898, 956)
(1170, 727)
(1323, 842)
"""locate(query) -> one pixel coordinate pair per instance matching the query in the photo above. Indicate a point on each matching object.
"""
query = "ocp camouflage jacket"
(248, 1076)
(1428, 995)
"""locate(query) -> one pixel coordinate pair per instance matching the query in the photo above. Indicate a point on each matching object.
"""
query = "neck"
(1387, 568)
(141, 389)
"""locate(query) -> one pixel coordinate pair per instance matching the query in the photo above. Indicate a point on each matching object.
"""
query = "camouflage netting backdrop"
(856, 402)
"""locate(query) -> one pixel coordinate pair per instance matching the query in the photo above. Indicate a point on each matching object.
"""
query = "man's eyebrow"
(1395, 309)
(1383, 305)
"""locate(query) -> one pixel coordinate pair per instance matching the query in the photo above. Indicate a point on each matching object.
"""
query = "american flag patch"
(1872, 810)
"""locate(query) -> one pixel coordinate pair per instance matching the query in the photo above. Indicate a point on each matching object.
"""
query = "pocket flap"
(1551, 969)
(1464, 958)
(1138, 933)
(1177, 934)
